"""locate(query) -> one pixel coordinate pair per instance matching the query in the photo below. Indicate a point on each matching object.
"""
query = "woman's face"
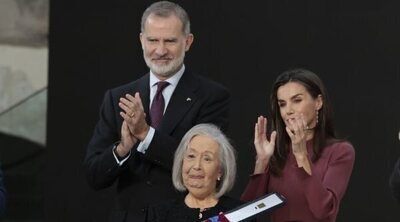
(297, 106)
(201, 166)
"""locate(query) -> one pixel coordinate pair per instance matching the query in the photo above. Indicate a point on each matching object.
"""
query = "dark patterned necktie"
(157, 107)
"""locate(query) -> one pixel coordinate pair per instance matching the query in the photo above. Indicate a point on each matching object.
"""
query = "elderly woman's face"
(201, 166)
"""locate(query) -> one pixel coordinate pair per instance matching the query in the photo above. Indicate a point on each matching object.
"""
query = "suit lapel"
(182, 99)
(144, 89)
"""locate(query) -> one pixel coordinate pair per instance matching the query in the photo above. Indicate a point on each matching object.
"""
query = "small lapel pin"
(188, 99)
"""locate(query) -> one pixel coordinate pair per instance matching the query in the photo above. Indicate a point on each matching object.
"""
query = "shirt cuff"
(142, 147)
(119, 162)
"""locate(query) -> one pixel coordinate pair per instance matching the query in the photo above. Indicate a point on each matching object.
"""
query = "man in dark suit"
(2, 195)
(132, 144)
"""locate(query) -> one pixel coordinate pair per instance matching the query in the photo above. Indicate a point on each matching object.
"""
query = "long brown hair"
(324, 133)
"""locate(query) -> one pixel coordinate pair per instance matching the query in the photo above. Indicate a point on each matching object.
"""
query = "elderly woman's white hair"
(227, 157)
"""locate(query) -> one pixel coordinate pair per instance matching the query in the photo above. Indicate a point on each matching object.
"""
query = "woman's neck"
(309, 131)
(200, 202)
(310, 134)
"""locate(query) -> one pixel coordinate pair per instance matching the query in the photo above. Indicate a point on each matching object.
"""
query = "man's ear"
(141, 40)
(189, 41)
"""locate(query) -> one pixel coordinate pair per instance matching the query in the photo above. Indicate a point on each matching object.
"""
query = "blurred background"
(24, 26)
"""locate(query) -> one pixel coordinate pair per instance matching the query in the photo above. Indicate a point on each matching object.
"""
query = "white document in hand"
(262, 204)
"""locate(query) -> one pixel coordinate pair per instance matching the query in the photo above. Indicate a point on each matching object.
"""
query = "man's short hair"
(166, 9)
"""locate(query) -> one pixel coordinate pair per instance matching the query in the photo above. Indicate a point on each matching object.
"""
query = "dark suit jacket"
(395, 181)
(146, 178)
(2, 195)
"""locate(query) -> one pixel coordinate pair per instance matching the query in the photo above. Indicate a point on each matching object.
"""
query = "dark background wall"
(353, 46)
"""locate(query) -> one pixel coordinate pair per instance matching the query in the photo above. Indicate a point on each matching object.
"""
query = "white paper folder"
(251, 209)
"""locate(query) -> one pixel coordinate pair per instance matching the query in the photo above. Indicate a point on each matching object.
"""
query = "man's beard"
(168, 69)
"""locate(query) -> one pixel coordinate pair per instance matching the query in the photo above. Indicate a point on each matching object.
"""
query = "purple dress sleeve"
(257, 186)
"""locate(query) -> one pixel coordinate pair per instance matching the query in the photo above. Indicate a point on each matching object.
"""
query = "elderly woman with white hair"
(204, 171)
